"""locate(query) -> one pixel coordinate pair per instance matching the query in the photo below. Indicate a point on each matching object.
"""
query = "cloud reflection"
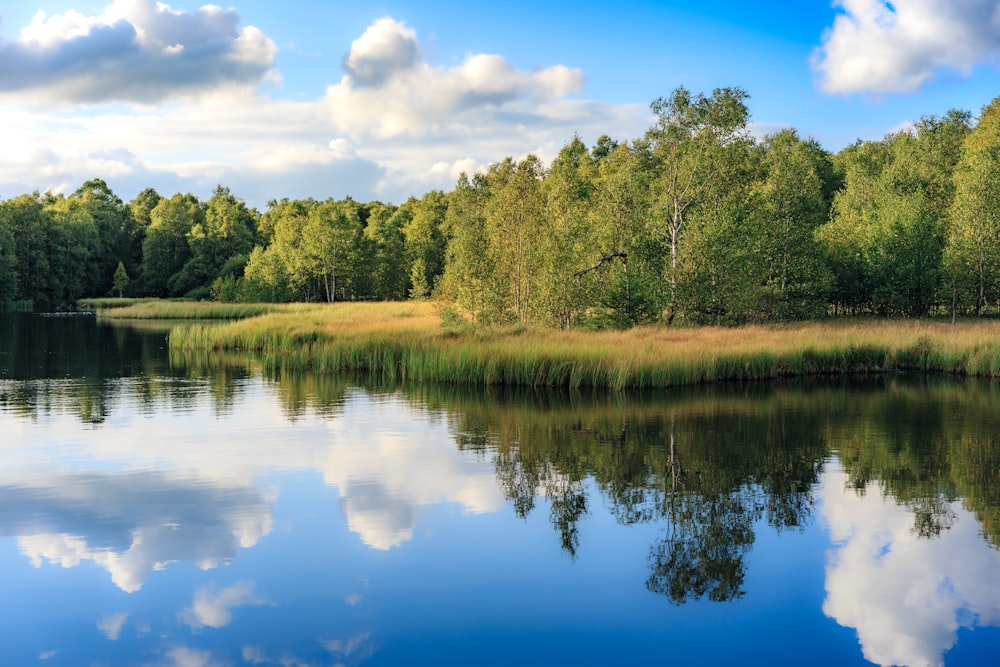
(907, 596)
(214, 609)
(111, 626)
(135, 509)
(387, 460)
(131, 523)
(183, 656)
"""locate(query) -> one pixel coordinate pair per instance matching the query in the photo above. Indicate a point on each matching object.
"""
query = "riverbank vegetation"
(695, 222)
(412, 341)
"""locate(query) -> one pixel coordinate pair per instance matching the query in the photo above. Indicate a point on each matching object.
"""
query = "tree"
(973, 252)
(383, 241)
(327, 241)
(119, 237)
(32, 236)
(165, 250)
(223, 238)
(120, 280)
(75, 250)
(627, 291)
(265, 277)
(568, 243)
(720, 276)
(688, 142)
(467, 269)
(8, 261)
(850, 238)
(425, 243)
(792, 207)
(514, 216)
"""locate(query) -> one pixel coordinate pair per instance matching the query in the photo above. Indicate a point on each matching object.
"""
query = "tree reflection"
(702, 552)
(712, 464)
(707, 464)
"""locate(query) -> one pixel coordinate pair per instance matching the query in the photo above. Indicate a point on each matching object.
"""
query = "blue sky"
(383, 101)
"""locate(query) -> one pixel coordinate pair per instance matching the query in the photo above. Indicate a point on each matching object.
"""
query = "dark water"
(196, 511)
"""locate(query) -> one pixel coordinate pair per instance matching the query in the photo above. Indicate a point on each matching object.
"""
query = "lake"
(195, 511)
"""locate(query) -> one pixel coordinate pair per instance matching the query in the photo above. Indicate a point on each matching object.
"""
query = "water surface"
(183, 511)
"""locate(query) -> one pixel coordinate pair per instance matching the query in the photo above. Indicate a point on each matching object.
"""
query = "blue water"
(157, 514)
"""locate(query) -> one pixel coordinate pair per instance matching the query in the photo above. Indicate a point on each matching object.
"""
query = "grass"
(163, 309)
(406, 341)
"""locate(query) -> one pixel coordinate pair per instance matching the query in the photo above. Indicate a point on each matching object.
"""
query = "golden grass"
(407, 341)
(165, 309)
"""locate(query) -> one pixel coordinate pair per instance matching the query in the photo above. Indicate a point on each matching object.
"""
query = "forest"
(695, 222)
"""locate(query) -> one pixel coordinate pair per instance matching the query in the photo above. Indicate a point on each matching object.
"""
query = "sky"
(393, 98)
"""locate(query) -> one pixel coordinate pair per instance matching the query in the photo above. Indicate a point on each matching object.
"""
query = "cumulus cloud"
(394, 125)
(882, 47)
(386, 48)
(907, 596)
(135, 51)
(389, 91)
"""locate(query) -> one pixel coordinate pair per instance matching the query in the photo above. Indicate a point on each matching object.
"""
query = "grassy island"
(412, 341)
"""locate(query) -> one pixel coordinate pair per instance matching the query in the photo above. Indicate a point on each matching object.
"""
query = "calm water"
(194, 512)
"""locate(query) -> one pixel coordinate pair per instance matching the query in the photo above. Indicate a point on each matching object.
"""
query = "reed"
(108, 303)
(164, 309)
(406, 341)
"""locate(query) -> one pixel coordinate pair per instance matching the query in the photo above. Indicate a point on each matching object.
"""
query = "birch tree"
(688, 144)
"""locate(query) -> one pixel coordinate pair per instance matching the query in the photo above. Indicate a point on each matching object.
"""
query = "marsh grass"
(406, 341)
(109, 303)
(164, 309)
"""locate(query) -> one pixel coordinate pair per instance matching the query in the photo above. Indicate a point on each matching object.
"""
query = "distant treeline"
(695, 221)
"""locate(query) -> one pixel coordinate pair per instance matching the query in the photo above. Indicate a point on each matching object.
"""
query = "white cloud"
(111, 626)
(137, 51)
(393, 126)
(907, 596)
(882, 47)
(214, 609)
(389, 92)
(386, 48)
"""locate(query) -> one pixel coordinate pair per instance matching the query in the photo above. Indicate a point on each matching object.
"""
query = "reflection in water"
(388, 458)
(180, 461)
(130, 524)
(214, 608)
(707, 464)
(906, 595)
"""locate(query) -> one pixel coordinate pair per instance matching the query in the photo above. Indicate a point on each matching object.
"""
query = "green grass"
(406, 341)
(164, 309)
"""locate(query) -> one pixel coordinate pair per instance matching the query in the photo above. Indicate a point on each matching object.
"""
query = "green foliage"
(689, 143)
(165, 249)
(973, 252)
(120, 281)
(695, 222)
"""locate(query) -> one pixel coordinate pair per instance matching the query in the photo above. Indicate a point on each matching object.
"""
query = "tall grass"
(406, 341)
(163, 309)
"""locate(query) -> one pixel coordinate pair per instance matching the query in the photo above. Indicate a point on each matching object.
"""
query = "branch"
(607, 258)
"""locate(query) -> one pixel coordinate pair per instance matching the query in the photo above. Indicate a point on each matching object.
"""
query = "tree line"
(696, 221)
